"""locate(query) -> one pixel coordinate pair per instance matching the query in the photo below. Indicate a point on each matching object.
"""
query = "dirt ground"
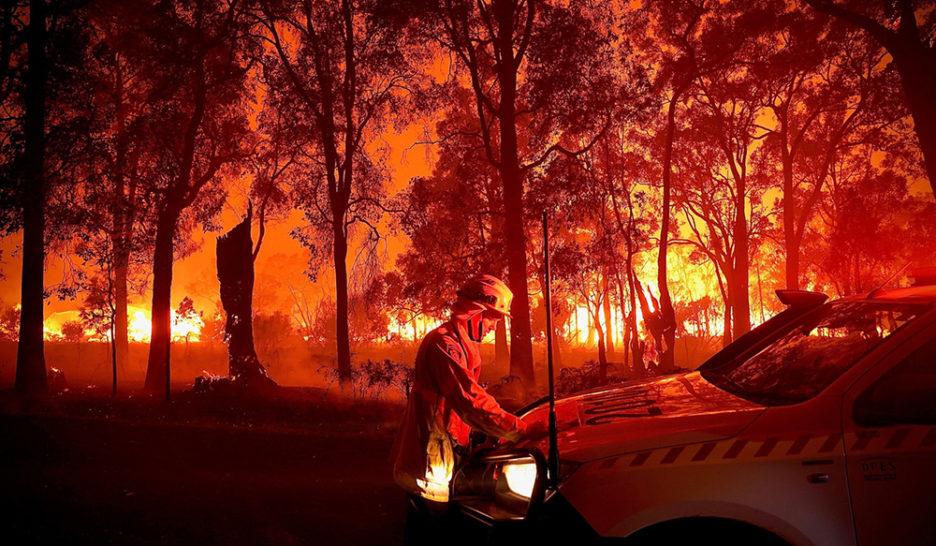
(138, 471)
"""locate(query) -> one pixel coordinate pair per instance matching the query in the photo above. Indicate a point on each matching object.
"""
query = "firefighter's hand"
(536, 430)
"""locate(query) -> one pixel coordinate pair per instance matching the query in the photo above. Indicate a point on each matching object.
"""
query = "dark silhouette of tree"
(12, 67)
(894, 25)
(119, 69)
(273, 162)
(825, 96)
(30, 353)
(455, 225)
(109, 146)
(186, 313)
(403, 305)
(718, 191)
(236, 276)
(338, 68)
(38, 59)
(591, 286)
(201, 52)
(717, 187)
(676, 41)
(98, 314)
(73, 332)
(613, 204)
(868, 208)
(542, 84)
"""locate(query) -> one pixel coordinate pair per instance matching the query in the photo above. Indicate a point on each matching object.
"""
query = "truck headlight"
(501, 485)
(521, 476)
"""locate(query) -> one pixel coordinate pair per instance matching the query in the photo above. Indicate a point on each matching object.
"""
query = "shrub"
(372, 378)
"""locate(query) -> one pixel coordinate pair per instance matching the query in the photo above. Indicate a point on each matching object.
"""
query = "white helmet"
(490, 292)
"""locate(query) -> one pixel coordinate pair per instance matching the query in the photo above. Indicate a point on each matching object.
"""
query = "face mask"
(476, 327)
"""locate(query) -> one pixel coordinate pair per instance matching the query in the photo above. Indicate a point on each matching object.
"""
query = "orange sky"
(280, 264)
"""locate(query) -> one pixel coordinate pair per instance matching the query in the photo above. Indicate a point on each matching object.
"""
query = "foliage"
(73, 331)
(854, 248)
(588, 376)
(367, 320)
(9, 323)
(185, 315)
(347, 75)
(97, 311)
(372, 379)
(271, 330)
(213, 325)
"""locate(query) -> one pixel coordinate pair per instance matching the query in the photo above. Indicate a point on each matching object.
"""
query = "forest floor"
(207, 468)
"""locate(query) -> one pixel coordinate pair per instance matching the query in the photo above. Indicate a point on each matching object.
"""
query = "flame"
(415, 328)
(140, 327)
(186, 329)
(586, 333)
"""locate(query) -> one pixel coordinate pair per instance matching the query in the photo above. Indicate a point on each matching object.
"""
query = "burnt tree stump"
(236, 275)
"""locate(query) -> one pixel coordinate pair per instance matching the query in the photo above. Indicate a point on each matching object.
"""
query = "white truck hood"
(646, 415)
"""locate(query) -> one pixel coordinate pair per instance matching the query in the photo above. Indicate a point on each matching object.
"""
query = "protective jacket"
(445, 403)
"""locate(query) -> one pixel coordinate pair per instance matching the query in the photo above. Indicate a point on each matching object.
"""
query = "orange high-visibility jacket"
(445, 403)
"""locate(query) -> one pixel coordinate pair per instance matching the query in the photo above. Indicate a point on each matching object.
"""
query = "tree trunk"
(651, 317)
(120, 237)
(113, 348)
(521, 346)
(729, 306)
(30, 352)
(636, 349)
(343, 337)
(789, 214)
(667, 314)
(158, 365)
(609, 326)
(602, 356)
(236, 277)
(121, 322)
(501, 349)
(917, 68)
(625, 340)
(741, 312)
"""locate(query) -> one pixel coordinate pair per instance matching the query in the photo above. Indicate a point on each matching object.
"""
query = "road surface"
(92, 481)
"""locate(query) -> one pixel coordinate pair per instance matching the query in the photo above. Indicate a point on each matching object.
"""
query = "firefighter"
(446, 401)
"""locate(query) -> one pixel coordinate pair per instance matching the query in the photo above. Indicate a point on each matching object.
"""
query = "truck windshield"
(812, 352)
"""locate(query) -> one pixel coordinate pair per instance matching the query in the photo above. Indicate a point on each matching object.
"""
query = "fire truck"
(816, 428)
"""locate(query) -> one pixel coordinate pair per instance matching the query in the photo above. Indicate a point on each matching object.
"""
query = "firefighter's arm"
(470, 401)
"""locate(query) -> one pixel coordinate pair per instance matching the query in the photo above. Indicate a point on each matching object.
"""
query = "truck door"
(889, 419)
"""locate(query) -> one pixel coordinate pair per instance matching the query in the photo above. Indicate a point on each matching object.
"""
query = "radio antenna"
(877, 290)
(552, 463)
